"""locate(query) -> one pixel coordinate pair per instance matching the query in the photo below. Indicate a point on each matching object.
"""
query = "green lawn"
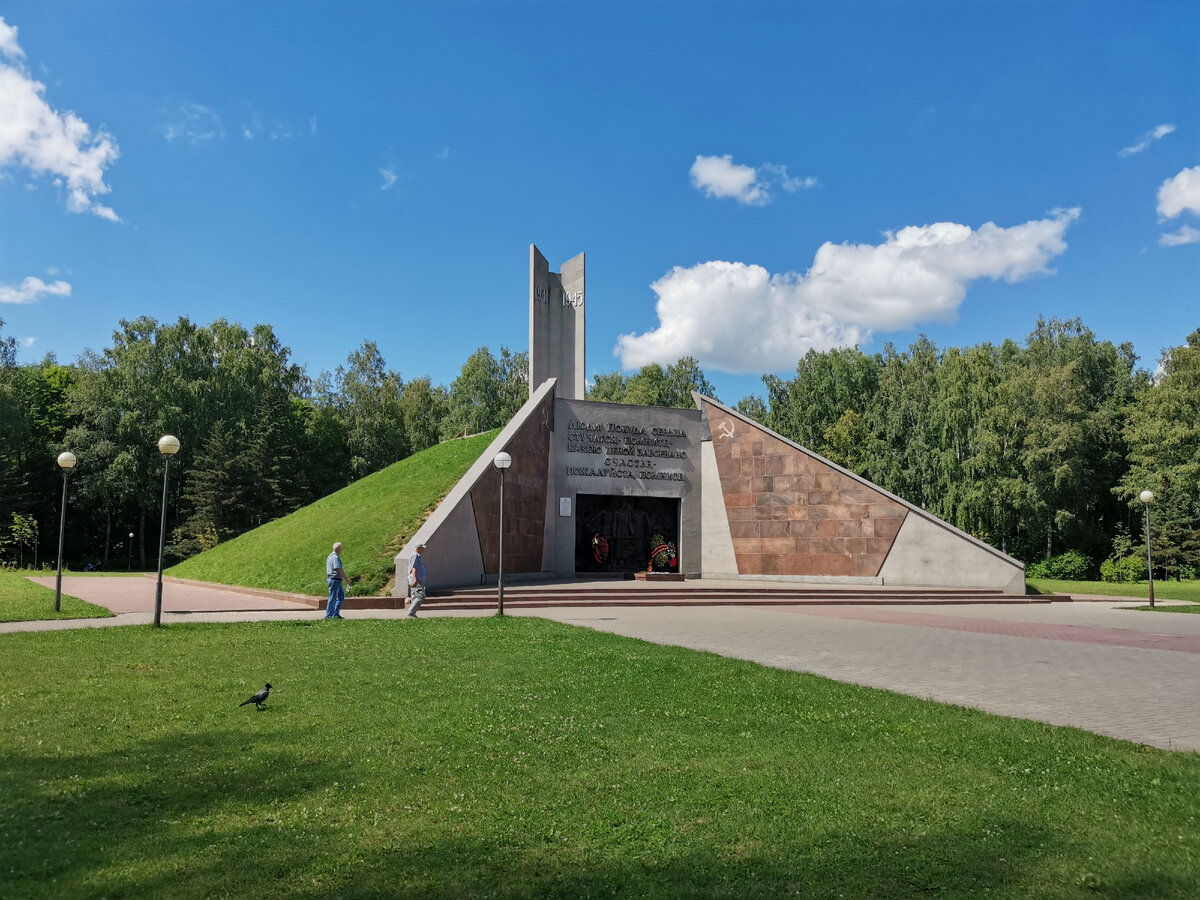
(1163, 590)
(23, 601)
(373, 517)
(519, 757)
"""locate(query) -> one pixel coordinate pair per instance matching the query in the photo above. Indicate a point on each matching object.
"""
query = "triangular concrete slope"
(463, 532)
(794, 514)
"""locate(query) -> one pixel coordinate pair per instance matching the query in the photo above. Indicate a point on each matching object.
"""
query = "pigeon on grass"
(258, 699)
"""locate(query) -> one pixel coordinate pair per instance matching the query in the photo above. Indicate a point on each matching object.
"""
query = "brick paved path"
(1083, 634)
(1127, 674)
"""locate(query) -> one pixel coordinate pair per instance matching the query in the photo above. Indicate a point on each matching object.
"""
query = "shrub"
(1069, 566)
(1125, 570)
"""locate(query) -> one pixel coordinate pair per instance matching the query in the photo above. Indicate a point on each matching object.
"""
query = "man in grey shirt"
(416, 581)
(335, 576)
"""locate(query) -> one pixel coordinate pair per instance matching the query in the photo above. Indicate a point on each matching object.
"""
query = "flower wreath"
(599, 548)
(662, 553)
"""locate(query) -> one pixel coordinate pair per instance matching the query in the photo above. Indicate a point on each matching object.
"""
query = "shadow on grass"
(250, 821)
(236, 802)
(126, 823)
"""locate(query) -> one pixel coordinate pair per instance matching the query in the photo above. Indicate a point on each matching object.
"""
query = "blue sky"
(747, 179)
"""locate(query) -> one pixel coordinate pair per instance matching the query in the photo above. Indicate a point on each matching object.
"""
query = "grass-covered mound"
(373, 517)
(23, 601)
(523, 758)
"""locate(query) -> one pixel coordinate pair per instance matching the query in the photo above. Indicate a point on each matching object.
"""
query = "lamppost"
(66, 462)
(168, 446)
(1147, 497)
(129, 566)
(501, 462)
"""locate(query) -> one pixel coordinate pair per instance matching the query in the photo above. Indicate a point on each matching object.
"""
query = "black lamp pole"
(501, 462)
(66, 462)
(168, 446)
(1147, 497)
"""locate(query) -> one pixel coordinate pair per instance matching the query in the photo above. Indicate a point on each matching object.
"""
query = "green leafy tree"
(8, 349)
(608, 387)
(191, 381)
(825, 386)
(1163, 435)
(655, 385)
(23, 535)
(213, 493)
(425, 407)
(14, 431)
(753, 407)
(369, 403)
(1075, 391)
(487, 392)
(514, 383)
(899, 418)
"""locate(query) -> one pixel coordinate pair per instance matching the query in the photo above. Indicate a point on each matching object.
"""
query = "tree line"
(259, 436)
(1039, 448)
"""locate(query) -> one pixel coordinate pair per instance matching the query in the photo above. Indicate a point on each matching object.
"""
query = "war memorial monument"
(598, 489)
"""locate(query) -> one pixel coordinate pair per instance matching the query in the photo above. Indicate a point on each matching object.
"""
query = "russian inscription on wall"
(600, 448)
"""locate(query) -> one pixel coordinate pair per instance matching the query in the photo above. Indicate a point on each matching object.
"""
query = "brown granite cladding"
(524, 498)
(791, 514)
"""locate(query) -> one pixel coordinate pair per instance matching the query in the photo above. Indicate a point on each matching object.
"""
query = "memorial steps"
(631, 593)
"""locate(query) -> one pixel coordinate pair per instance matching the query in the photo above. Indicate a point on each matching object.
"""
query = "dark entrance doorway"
(614, 533)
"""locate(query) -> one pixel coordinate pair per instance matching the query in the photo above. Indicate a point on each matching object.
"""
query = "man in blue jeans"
(336, 576)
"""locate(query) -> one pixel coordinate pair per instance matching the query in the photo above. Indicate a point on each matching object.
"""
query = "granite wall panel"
(524, 499)
(790, 513)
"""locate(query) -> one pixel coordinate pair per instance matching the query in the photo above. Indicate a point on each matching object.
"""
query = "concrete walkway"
(1129, 674)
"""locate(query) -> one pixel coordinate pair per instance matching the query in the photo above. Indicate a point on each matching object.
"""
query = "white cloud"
(276, 129)
(1154, 134)
(735, 317)
(8, 41)
(31, 290)
(789, 184)
(721, 177)
(39, 138)
(195, 124)
(1180, 194)
(1185, 235)
(389, 178)
(1176, 196)
(27, 342)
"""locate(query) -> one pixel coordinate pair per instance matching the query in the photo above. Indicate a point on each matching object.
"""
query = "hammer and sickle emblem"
(725, 427)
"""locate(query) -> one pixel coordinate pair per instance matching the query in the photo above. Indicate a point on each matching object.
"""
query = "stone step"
(543, 597)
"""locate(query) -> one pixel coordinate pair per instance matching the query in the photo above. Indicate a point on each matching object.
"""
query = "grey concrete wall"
(450, 531)
(573, 368)
(619, 450)
(452, 556)
(929, 553)
(716, 550)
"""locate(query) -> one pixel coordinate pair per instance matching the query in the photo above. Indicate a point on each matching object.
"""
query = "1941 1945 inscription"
(569, 298)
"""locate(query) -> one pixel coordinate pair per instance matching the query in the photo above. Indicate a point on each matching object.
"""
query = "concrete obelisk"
(556, 325)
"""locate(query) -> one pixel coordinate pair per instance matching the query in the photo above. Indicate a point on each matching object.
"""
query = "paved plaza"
(1093, 665)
